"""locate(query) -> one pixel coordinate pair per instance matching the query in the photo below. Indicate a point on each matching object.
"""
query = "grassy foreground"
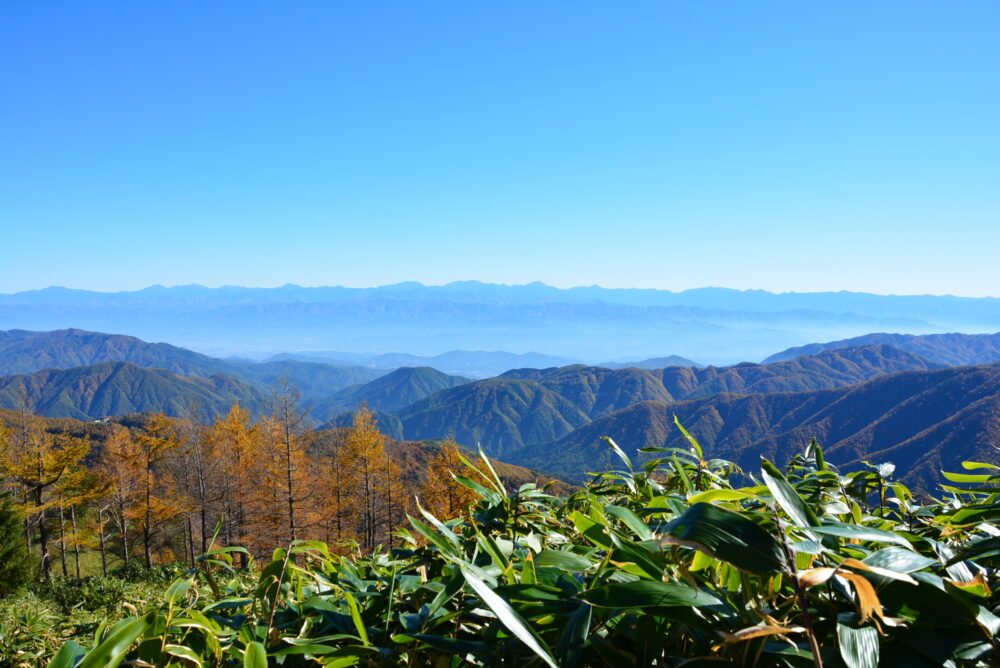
(667, 564)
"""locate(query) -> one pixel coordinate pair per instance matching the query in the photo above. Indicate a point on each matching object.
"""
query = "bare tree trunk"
(123, 528)
(76, 542)
(104, 553)
(62, 541)
(147, 531)
(190, 538)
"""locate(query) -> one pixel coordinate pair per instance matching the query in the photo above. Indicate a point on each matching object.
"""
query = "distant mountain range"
(949, 349)
(24, 352)
(474, 363)
(712, 325)
(652, 363)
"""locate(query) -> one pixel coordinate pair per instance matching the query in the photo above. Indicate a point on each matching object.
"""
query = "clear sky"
(786, 146)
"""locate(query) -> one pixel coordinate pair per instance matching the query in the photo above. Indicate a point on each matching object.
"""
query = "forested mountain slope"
(532, 406)
(397, 389)
(922, 421)
(118, 388)
(502, 414)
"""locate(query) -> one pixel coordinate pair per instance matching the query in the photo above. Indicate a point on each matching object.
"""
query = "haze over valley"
(560, 326)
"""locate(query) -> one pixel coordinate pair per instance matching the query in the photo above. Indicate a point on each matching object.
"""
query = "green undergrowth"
(664, 564)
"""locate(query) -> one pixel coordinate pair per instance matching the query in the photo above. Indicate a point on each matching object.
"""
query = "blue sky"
(786, 146)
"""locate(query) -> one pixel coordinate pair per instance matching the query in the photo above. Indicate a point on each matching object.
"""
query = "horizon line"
(537, 284)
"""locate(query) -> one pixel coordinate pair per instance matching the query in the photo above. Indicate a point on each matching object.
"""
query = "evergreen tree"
(15, 561)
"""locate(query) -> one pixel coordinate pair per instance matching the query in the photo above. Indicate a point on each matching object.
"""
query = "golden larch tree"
(370, 481)
(36, 461)
(442, 495)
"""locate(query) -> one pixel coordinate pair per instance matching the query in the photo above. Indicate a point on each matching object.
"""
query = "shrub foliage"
(685, 560)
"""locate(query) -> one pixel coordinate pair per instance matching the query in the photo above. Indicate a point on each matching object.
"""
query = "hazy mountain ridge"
(26, 352)
(951, 349)
(587, 323)
(651, 363)
(474, 363)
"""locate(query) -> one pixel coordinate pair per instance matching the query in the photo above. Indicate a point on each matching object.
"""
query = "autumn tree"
(370, 480)
(335, 511)
(142, 489)
(442, 495)
(282, 505)
(198, 468)
(117, 464)
(232, 453)
(36, 461)
(15, 561)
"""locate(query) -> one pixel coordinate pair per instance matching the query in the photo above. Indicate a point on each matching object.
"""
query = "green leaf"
(116, 645)
(68, 655)
(898, 559)
(485, 492)
(970, 466)
(967, 477)
(441, 542)
(176, 591)
(786, 496)
(352, 604)
(183, 652)
(569, 651)
(690, 439)
(727, 536)
(647, 593)
(858, 647)
(566, 561)
(860, 532)
(255, 656)
(976, 549)
(631, 520)
(621, 453)
(591, 530)
(720, 495)
(510, 619)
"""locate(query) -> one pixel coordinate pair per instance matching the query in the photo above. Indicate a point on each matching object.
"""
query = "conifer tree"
(371, 481)
(15, 560)
(441, 495)
(234, 451)
(282, 505)
(36, 460)
(117, 465)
